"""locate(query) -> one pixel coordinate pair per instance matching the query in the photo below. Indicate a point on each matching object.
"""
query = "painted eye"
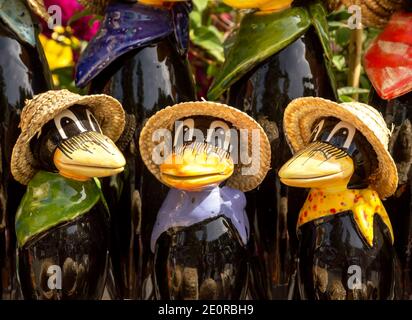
(343, 130)
(93, 121)
(68, 124)
(219, 134)
(183, 132)
(317, 130)
(66, 121)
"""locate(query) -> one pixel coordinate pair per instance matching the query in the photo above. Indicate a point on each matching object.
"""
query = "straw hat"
(376, 13)
(44, 107)
(38, 7)
(301, 114)
(95, 6)
(166, 118)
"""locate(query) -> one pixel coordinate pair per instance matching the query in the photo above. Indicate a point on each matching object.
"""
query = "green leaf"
(65, 77)
(230, 40)
(200, 5)
(338, 24)
(195, 19)
(344, 98)
(348, 91)
(212, 70)
(364, 82)
(339, 62)
(216, 32)
(318, 16)
(259, 37)
(342, 36)
(340, 15)
(78, 15)
(207, 39)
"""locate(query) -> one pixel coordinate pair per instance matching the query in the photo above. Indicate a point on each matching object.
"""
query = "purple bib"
(184, 208)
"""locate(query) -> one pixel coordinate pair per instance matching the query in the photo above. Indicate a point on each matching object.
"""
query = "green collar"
(16, 16)
(50, 200)
(263, 35)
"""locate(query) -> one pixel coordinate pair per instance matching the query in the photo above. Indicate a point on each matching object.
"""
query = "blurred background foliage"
(340, 35)
(212, 23)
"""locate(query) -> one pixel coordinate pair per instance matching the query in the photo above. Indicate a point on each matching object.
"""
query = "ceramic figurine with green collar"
(345, 236)
(67, 141)
(279, 52)
(23, 73)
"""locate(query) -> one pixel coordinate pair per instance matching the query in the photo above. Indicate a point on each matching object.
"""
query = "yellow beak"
(262, 5)
(88, 155)
(320, 165)
(194, 169)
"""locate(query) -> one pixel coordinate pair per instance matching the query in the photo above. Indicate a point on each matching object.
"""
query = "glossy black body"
(335, 262)
(206, 260)
(23, 73)
(79, 248)
(144, 81)
(399, 206)
(296, 71)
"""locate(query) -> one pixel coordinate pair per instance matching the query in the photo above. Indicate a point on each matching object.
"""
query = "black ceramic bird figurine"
(279, 52)
(139, 56)
(345, 235)
(388, 64)
(62, 221)
(201, 232)
(23, 73)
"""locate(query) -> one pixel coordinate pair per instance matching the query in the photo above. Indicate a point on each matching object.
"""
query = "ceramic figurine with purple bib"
(201, 235)
(345, 235)
(62, 223)
(139, 56)
(23, 73)
(281, 51)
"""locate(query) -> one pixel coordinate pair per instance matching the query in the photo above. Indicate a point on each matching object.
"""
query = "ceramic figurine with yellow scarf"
(201, 236)
(62, 223)
(280, 52)
(139, 56)
(23, 73)
(345, 235)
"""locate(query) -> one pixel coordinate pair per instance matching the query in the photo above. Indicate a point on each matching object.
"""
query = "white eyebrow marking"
(225, 127)
(319, 129)
(190, 123)
(91, 116)
(351, 132)
(67, 114)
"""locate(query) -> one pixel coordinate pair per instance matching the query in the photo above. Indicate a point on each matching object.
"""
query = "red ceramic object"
(388, 61)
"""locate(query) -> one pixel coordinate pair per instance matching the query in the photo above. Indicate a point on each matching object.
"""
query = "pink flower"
(81, 28)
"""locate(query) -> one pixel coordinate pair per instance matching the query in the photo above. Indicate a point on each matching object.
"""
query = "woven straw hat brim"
(44, 107)
(165, 119)
(376, 13)
(95, 6)
(302, 113)
(38, 7)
